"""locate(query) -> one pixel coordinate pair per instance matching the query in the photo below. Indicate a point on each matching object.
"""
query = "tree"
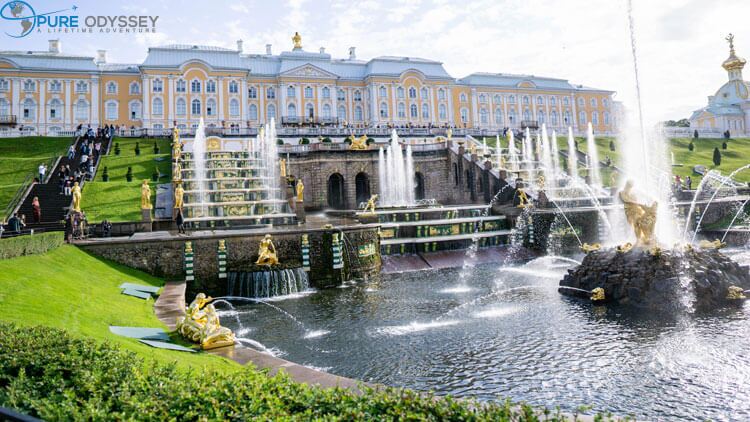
(612, 145)
(691, 146)
(695, 134)
(717, 157)
(724, 145)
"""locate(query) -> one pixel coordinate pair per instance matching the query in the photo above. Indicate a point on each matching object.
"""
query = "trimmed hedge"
(30, 244)
(50, 374)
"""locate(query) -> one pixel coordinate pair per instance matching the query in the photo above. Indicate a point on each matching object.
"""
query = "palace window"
(195, 86)
(181, 85)
(441, 94)
(308, 92)
(412, 92)
(29, 85)
(157, 85)
(181, 107)
(498, 99)
(195, 107)
(526, 114)
(309, 110)
(464, 115)
(29, 108)
(234, 107)
(606, 118)
(423, 93)
(605, 102)
(54, 109)
(82, 86)
(483, 116)
(553, 117)
(566, 101)
(211, 86)
(593, 102)
(581, 102)
(253, 112)
(442, 112)
(326, 111)
(291, 92)
(135, 110)
(4, 107)
(512, 99)
(291, 110)
(463, 98)
(135, 88)
(511, 116)
(382, 92)
(400, 92)
(234, 87)
(341, 95)
(341, 112)
(582, 118)
(594, 118)
(82, 110)
(326, 93)
(566, 118)
(54, 86)
(541, 117)
(482, 98)
(270, 93)
(252, 93)
(499, 116)
(271, 112)
(413, 112)
(425, 112)
(210, 106)
(552, 101)
(111, 110)
(539, 100)
(525, 99)
(111, 88)
(358, 113)
(357, 95)
(401, 110)
(157, 107)
(4, 85)
(383, 110)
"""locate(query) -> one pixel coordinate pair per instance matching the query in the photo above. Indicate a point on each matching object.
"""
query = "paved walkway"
(171, 304)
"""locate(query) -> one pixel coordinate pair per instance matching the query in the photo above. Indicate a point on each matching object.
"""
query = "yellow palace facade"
(48, 91)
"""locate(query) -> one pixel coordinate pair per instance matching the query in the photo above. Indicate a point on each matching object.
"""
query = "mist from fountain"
(396, 175)
(528, 149)
(512, 151)
(555, 153)
(572, 155)
(546, 153)
(199, 164)
(593, 158)
(269, 156)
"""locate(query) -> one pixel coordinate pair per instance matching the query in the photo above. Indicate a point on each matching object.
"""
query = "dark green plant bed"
(49, 374)
(30, 245)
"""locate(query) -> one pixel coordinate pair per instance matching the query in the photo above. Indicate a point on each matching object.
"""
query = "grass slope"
(118, 199)
(68, 288)
(20, 157)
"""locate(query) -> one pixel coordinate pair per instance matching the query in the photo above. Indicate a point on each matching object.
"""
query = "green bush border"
(30, 244)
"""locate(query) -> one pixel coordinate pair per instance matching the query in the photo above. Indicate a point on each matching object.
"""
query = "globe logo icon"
(22, 15)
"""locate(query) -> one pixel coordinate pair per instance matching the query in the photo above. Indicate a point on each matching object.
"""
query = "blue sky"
(681, 42)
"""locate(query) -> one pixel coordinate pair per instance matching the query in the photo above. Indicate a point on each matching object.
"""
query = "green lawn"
(118, 199)
(68, 288)
(20, 157)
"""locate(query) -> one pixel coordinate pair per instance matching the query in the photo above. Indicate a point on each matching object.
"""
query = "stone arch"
(336, 193)
(418, 186)
(362, 187)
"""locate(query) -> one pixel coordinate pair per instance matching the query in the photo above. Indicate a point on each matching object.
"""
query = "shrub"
(279, 141)
(30, 245)
(691, 146)
(304, 141)
(326, 140)
(717, 157)
(155, 175)
(129, 174)
(55, 376)
(156, 148)
(137, 149)
(105, 174)
(724, 145)
(370, 141)
(612, 145)
(695, 134)
(117, 148)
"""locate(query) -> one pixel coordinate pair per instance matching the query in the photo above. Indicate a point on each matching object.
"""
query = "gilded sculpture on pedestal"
(359, 143)
(282, 167)
(300, 190)
(267, 252)
(76, 197)
(370, 207)
(176, 171)
(179, 193)
(145, 196)
(201, 325)
(641, 217)
(523, 199)
(297, 40)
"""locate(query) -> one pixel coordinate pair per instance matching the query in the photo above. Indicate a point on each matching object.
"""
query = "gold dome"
(733, 62)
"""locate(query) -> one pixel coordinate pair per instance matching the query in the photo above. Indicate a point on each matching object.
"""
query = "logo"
(26, 19)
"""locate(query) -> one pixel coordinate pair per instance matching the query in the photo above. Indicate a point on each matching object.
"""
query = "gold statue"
(472, 149)
(212, 334)
(449, 133)
(523, 199)
(624, 248)
(76, 197)
(735, 293)
(358, 143)
(190, 325)
(176, 171)
(297, 40)
(145, 196)
(540, 181)
(267, 252)
(300, 190)
(370, 207)
(590, 248)
(642, 218)
(222, 245)
(175, 133)
(201, 324)
(716, 244)
(282, 167)
(188, 247)
(179, 193)
(597, 294)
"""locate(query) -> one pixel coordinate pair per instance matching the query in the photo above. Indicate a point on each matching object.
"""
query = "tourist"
(36, 210)
(68, 186)
(42, 172)
(689, 183)
(106, 228)
(15, 224)
(180, 222)
(72, 152)
(61, 181)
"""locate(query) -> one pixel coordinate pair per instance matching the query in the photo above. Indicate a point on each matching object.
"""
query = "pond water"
(507, 332)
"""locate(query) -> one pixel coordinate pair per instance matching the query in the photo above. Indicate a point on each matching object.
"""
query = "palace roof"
(43, 60)
(506, 80)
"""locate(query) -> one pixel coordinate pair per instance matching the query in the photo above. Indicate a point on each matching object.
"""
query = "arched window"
(595, 118)
(582, 118)
(195, 86)
(210, 106)
(341, 95)
(181, 107)
(401, 110)
(606, 117)
(5, 85)
(499, 116)
(581, 102)
(400, 92)
(511, 116)
(290, 91)
(55, 109)
(4, 107)
(234, 87)
(413, 112)
(309, 110)
(463, 98)
(308, 92)
(443, 112)
(566, 118)
(382, 92)
(252, 112)
(54, 86)
(181, 85)
(211, 86)
(157, 107)
(135, 88)
(593, 102)
(552, 101)
(157, 85)
(29, 109)
(553, 117)
(111, 87)
(341, 113)
(195, 107)
(412, 92)
(234, 107)
(110, 110)
(483, 116)
(526, 114)
(383, 110)
(291, 110)
(326, 92)
(540, 116)
(464, 115)
(423, 93)
(498, 99)
(29, 85)
(82, 86)
(82, 110)
(358, 113)
(135, 110)
(441, 94)
(270, 93)
(605, 103)
(252, 92)
(525, 99)
(357, 95)
(539, 100)
(482, 98)
(326, 111)
(512, 99)
(425, 112)
(271, 112)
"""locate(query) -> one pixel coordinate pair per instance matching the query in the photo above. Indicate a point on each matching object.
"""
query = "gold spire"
(733, 62)
(297, 40)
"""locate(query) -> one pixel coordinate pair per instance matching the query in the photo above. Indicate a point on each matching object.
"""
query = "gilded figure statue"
(523, 199)
(540, 181)
(641, 217)
(472, 149)
(597, 294)
(222, 245)
(716, 244)
(370, 207)
(179, 193)
(76, 197)
(590, 248)
(201, 324)
(300, 190)
(359, 143)
(282, 167)
(212, 334)
(145, 196)
(267, 252)
(175, 134)
(297, 40)
(735, 293)
(624, 248)
(176, 171)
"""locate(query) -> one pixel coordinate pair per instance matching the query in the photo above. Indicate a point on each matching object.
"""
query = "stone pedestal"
(146, 220)
(368, 218)
(299, 209)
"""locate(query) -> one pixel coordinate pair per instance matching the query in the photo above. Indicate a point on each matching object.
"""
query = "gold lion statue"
(590, 248)
(716, 244)
(642, 218)
(358, 143)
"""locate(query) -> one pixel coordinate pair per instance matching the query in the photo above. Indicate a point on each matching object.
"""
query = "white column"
(169, 100)
(68, 107)
(375, 110)
(282, 108)
(574, 117)
(394, 108)
(334, 101)
(95, 101)
(300, 106)
(433, 109)
(220, 87)
(533, 109)
(146, 106)
(350, 102)
(243, 101)
(505, 111)
(262, 102)
(318, 93)
(449, 95)
(42, 103)
(15, 105)
(474, 108)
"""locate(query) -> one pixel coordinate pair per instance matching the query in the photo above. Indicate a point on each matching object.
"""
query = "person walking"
(180, 222)
(71, 152)
(42, 172)
(37, 210)
(689, 183)
(15, 224)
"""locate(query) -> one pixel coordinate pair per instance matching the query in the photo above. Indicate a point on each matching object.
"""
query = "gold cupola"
(733, 63)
